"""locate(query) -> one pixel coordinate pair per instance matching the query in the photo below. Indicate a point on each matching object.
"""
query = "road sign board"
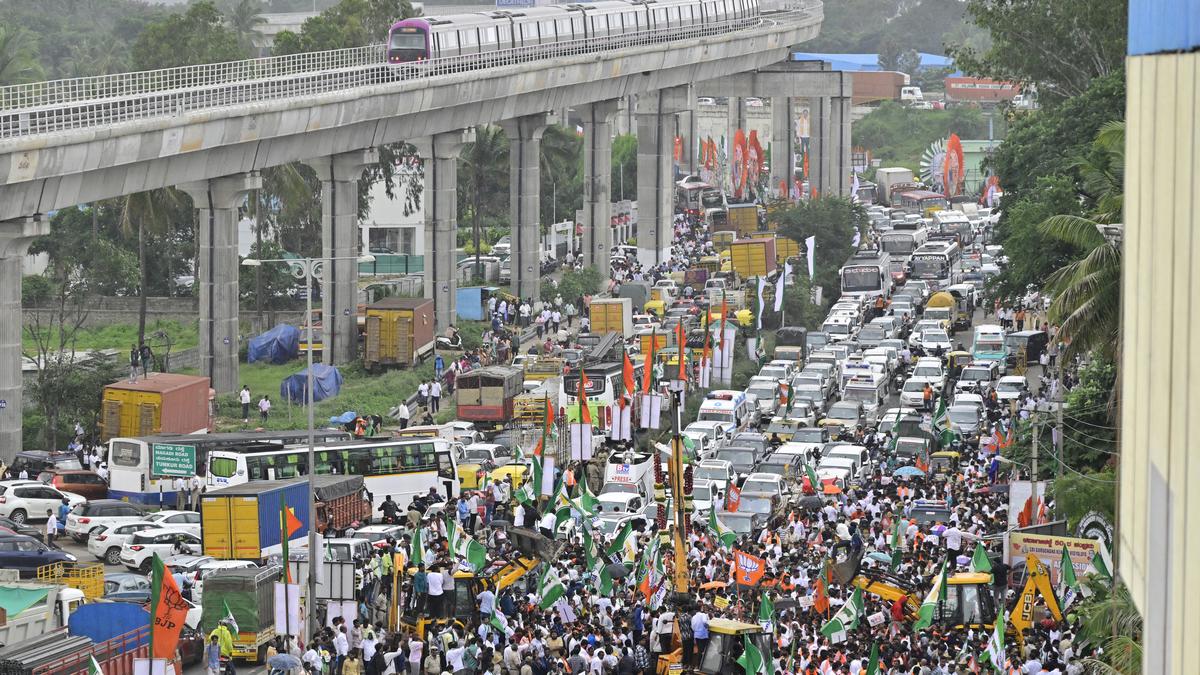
(170, 459)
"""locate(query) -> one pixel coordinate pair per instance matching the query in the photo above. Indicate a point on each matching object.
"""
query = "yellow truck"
(399, 332)
(612, 315)
(743, 219)
(785, 248)
(753, 257)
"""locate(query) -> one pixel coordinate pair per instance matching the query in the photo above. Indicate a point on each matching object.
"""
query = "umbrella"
(880, 557)
(832, 489)
(283, 662)
(712, 584)
(810, 502)
(905, 471)
(617, 570)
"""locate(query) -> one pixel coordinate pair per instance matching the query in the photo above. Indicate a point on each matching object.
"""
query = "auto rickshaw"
(956, 361)
(656, 307)
(943, 463)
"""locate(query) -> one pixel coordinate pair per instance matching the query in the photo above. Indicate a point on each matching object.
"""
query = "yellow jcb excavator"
(969, 601)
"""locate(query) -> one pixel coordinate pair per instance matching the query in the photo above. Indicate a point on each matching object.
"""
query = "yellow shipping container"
(753, 257)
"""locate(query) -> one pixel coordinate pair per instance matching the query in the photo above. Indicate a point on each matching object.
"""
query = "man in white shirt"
(341, 645)
(434, 579)
(182, 493)
(416, 650)
(435, 396)
(454, 659)
(487, 604)
(953, 538)
(244, 397)
(51, 528)
(402, 414)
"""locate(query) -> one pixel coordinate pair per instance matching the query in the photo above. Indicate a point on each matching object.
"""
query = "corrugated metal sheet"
(1159, 509)
(1157, 26)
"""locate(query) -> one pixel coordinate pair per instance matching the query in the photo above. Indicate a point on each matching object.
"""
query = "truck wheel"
(19, 516)
(113, 556)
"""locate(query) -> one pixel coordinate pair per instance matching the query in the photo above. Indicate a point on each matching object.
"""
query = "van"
(724, 405)
(869, 390)
(856, 452)
(851, 467)
(346, 549)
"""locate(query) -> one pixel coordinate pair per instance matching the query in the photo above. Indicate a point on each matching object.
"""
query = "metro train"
(412, 41)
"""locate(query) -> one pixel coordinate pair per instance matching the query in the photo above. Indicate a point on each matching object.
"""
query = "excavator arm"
(1037, 582)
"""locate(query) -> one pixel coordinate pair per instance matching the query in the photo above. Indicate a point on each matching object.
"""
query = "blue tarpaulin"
(344, 418)
(103, 621)
(278, 345)
(327, 381)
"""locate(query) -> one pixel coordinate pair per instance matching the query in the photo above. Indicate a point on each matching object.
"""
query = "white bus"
(900, 245)
(130, 460)
(937, 262)
(401, 467)
(605, 380)
(867, 274)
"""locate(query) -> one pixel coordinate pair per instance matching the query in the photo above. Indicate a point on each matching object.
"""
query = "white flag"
(854, 189)
(581, 442)
(811, 245)
(762, 284)
(779, 283)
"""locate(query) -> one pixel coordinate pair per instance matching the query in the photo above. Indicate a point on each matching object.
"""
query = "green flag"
(723, 534)
(979, 560)
(587, 500)
(897, 543)
(766, 613)
(752, 660)
(416, 553)
(93, 667)
(1068, 585)
(942, 426)
(812, 478)
(463, 546)
(929, 606)
(500, 622)
(1100, 567)
(995, 645)
(589, 548)
(618, 544)
(550, 588)
(847, 617)
(873, 662)
(228, 618)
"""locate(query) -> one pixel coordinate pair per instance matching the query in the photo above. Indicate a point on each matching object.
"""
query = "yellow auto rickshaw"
(956, 361)
(656, 307)
(943, 464)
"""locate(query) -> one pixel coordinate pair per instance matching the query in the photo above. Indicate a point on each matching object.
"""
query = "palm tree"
(1087, 293)
(243, 18)
(1110, 621)
(483, 176)
(18, 56)
(146, 213)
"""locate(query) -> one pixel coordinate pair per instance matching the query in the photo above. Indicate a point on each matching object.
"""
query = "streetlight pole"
(309, 268)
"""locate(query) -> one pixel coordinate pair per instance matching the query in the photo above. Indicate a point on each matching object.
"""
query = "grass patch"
(361, 393)
(120, 336)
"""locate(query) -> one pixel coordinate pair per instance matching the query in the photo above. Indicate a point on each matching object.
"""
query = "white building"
(387, 230)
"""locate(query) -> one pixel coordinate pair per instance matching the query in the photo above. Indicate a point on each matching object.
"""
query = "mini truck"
(250, 596)
(399, 332)
(48, 613)
(246, 522)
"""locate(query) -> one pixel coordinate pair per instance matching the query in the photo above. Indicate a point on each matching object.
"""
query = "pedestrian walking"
(264, 408)
(435, 396)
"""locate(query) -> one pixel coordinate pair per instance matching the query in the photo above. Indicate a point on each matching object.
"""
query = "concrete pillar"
(524, 200)
(339, 176)
(656, 190)
(781, 145)
(597, 183)
(15, 238)
(439, 154)
(216, 202)
(839, 154)
(819, 164)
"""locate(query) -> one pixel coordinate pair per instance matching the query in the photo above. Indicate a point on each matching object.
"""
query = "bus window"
(223, 467)
(126, 454)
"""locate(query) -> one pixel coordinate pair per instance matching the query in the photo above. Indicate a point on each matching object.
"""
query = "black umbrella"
(617, 570)
(810, 502)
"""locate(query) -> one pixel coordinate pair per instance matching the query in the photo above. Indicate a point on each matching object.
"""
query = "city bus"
(605, 380)
(989, 345)
(922, 202)
(937, 262)
(900, 245)
(867, 274)
(401, 467)
(130, 459)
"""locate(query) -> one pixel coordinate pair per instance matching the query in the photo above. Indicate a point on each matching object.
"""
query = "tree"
(1111, 626)
(243, 19)
(562, 174)
(483, 183)
(1087, 292)
(274, 286)
(897, 135)
(93, 259)
(143, 213)
(197, 36)
(18, 56)
(1028, 39)
(624, 167)
(1032, 254)
(832, 220)
(350, 23)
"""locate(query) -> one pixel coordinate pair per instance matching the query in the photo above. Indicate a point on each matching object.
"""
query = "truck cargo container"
(873, 86)
(471, 302)
(612, 315)
(342, 503)
(242, 522)
(638, 293)
(399, 332)
(160, 403)
(743, 219)
(753, 257)
(887, 179)
(249, 594)
(486, 394)
(978, 90)
(785, 248)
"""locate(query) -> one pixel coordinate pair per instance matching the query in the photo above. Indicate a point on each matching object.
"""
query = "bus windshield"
(898, 243)
(861, 278)
(929, 266)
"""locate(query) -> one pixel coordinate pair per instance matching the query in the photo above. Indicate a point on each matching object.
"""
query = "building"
(1159, 502)
(388, 230)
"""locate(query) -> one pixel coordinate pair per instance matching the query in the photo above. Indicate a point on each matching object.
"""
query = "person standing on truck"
(135, 358)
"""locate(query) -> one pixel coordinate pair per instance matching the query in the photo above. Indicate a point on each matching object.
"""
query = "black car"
(26, 554)
(34, 462)
(22, 528)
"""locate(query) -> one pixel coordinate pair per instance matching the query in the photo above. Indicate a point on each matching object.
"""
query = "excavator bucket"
(846, 562)
(533, 544)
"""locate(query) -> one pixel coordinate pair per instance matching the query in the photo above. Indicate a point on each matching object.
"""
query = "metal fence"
(59, 105)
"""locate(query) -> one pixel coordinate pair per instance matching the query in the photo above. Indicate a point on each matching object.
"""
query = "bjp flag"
(168, 608)
(748, 569)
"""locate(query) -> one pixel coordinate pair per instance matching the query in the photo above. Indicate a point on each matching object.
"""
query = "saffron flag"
(748, 569)
(168, 609)
(627, 374)
(733, 498)
(648, 365)
(284, 527)
(585, 411)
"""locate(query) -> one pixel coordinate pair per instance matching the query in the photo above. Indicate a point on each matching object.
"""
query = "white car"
(912, 394)
(1009, 388)
(718, 433)
(28, 500)
(767, 482)
(212, 567)
(931, 369)
(139, 549)
(705, 493)
(86, 517)
(106, 541)
(188, 521)
(932, 339)
(378, 534)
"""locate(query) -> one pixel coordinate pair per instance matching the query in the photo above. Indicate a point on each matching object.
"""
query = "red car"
(80, 481)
